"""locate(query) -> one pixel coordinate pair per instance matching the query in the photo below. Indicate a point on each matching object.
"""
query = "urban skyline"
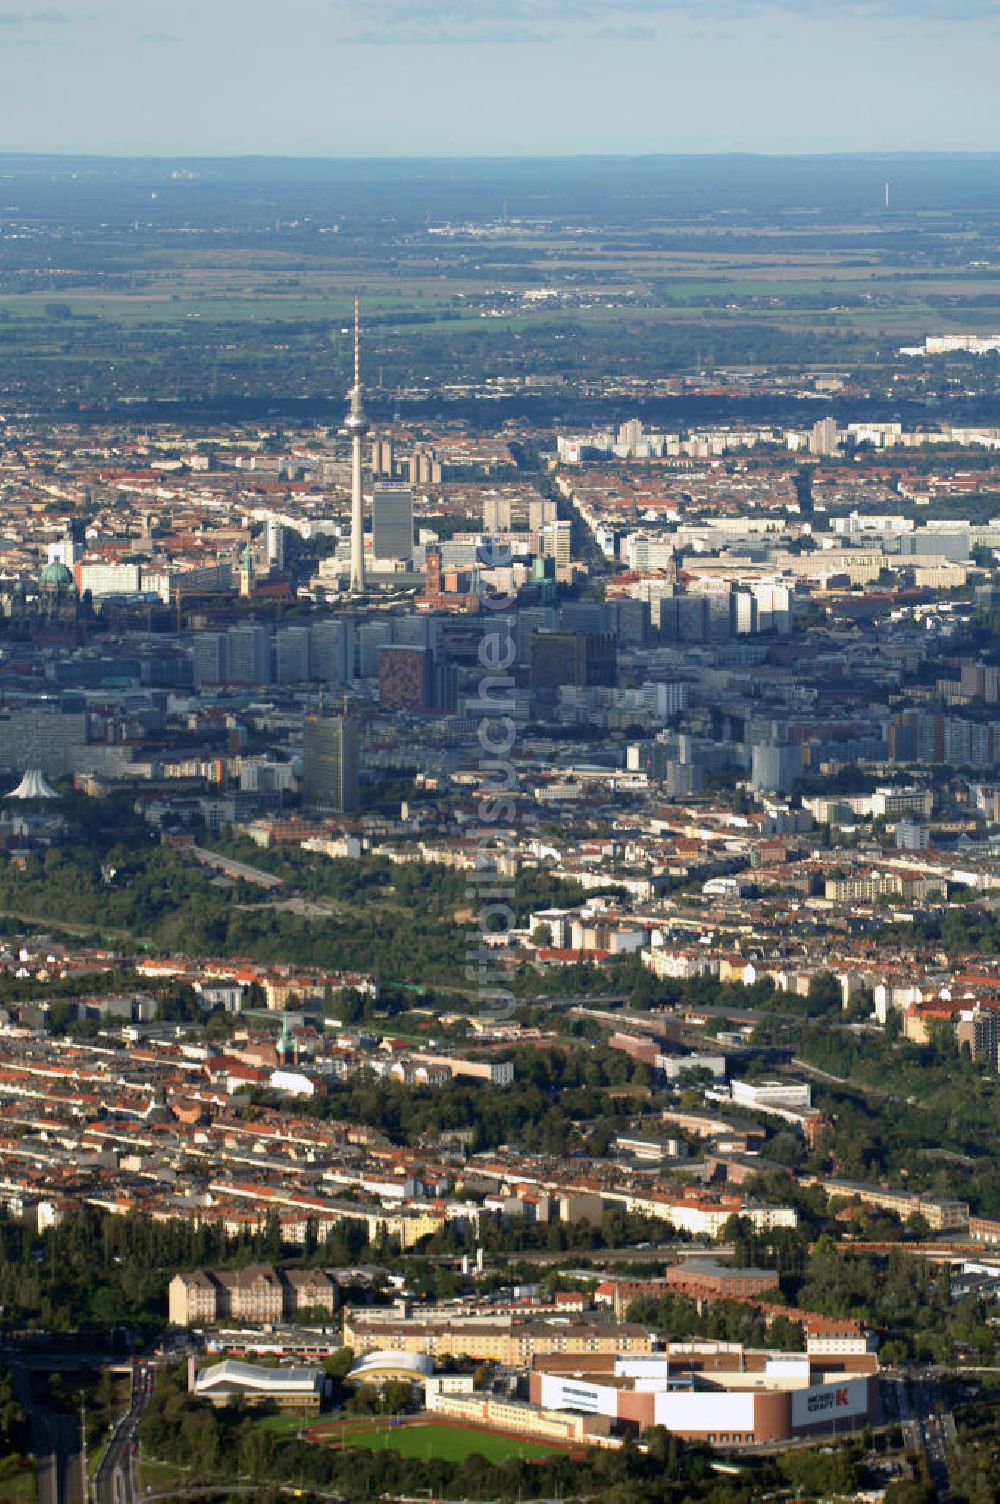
(504, 1003)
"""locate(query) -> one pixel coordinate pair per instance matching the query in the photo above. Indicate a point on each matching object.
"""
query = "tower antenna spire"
(357, 343)
(357, 427)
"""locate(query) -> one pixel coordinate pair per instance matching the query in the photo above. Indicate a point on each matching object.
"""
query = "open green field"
(191, 301)
(188, 322)
(232, 291)
(785, 295)
(288, 1424)
(445, 1443)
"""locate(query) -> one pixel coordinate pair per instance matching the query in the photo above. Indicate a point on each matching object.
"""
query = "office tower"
(664, 700)
(629, 619)
(274, 542)
(656, 595)
(684, 618)
(415, 631)
(330, 759)
(331, 650)
(291, 655)
(208, 657)
(392, 522)
(775, 767)
(247, 572)
(357, 426)
(445, 692)
(681, 779)
(248, 655)
(719, 616)
(556, 540)
(496, 514)
(529, 621)
(571, 658)
(585, 616)
(405, 678)
(694, 618)
(372, 635)
(742, 612)
(48, 739)
(773, 607)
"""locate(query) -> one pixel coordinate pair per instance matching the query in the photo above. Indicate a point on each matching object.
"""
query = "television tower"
(357, 426)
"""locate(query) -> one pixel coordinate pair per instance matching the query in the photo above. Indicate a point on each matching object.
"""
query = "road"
(55, 1446)
(600, 1256)
(227, 1490)
(115, 1481)
(233, 868)
(933, 1434)
(596, 1258)
(926, 1427)
(60, 1466)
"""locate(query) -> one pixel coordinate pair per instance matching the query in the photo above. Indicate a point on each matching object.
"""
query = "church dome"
(55, 576)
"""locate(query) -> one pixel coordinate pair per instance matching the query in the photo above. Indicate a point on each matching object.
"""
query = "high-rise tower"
(392, 522)
(357, 426)
(330, 756)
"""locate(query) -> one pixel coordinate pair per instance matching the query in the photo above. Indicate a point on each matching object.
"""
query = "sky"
(498, 77)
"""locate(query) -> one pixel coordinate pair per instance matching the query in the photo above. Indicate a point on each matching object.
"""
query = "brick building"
(705, 1279)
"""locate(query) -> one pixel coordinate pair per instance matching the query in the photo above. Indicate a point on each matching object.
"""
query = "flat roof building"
(715, 1392)
(705, 1279)
(302, 1388)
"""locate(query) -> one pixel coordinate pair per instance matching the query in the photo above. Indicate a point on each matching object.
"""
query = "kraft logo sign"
(819, 1402)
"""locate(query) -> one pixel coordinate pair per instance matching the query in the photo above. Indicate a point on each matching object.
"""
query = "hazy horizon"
(498, 78)
(872, 154)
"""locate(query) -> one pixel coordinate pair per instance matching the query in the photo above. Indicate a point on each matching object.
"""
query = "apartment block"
(259, 1294)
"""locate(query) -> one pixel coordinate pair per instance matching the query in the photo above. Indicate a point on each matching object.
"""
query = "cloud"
(628, 31)
(498, 22)
(436, 22)
(433, 34)
(33, 18)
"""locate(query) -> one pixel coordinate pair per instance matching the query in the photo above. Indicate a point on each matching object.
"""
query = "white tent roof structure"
(34, 785)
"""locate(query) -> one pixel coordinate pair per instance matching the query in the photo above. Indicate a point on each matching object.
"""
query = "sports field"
(425, 1442)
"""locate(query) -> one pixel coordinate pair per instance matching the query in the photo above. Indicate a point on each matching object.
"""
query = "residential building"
(259, 1294)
